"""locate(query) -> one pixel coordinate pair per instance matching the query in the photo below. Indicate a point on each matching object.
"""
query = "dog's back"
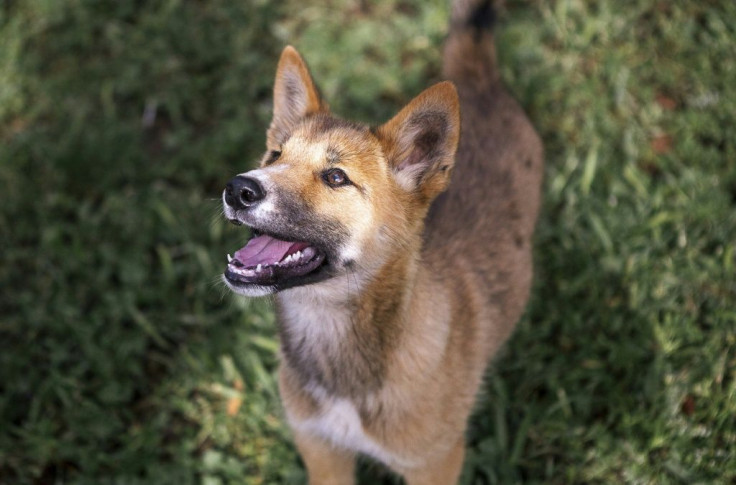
(480, 230)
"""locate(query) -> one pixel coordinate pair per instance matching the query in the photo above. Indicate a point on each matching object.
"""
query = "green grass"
(122, 360)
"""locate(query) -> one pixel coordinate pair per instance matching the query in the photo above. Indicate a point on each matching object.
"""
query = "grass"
(122, 361)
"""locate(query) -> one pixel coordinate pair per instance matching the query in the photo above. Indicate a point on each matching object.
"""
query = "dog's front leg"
(443, 471)
(326, 464)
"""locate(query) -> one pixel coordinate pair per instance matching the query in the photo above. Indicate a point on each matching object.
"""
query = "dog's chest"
(315, 334)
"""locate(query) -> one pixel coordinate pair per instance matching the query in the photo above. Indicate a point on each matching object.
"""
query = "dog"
(400, 257)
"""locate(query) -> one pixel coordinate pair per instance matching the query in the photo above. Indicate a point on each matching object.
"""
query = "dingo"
(394, 287)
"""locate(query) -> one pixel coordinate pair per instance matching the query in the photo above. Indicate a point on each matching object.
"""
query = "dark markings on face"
(324, 123)
(333, 156)
(295, 220)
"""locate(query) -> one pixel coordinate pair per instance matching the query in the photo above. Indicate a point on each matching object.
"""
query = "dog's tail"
(470, 53)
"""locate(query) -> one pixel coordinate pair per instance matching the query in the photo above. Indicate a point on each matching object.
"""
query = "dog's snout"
(243, 192)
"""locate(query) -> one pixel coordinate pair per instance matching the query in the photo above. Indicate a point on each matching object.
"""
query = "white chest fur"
(339, 423)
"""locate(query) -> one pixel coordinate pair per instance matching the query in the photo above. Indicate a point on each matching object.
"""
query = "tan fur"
(386, 358)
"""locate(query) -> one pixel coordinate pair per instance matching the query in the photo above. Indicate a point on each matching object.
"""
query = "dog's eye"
(335, 177)
(273, 155)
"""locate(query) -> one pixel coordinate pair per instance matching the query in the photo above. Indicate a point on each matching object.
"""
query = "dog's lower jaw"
(252, 291)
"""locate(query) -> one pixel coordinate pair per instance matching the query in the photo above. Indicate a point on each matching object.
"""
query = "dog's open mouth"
(267, 261)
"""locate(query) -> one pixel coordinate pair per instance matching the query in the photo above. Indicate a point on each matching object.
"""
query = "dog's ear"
(420, 142)
(294, 97)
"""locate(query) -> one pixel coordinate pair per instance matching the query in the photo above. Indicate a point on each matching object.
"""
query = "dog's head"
(332, 196)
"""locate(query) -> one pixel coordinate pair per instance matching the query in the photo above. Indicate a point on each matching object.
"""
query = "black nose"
(243, 192)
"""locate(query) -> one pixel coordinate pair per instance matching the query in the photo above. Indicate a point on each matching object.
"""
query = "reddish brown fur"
(398, 358)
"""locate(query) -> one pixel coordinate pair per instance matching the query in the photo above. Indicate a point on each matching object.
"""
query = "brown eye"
(335, 177)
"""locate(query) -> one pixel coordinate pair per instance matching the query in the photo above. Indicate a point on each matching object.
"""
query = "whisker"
(217, 283)
(217, 216)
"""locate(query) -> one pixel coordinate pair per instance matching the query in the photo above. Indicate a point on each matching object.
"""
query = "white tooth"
(298, 255)
(258, 268)
(309, 253)
(229, 258)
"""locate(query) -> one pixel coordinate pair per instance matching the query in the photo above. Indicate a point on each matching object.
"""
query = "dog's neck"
(337, 336)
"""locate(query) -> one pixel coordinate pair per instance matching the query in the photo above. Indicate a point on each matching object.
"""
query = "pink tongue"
(265, 250)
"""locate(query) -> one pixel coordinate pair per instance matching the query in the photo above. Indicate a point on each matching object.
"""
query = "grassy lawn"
(124, 361)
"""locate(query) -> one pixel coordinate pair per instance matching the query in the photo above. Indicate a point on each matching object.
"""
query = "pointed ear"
(420, 142)
(294, 97)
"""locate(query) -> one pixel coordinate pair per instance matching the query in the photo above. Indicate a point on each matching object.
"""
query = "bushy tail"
(470, 53)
